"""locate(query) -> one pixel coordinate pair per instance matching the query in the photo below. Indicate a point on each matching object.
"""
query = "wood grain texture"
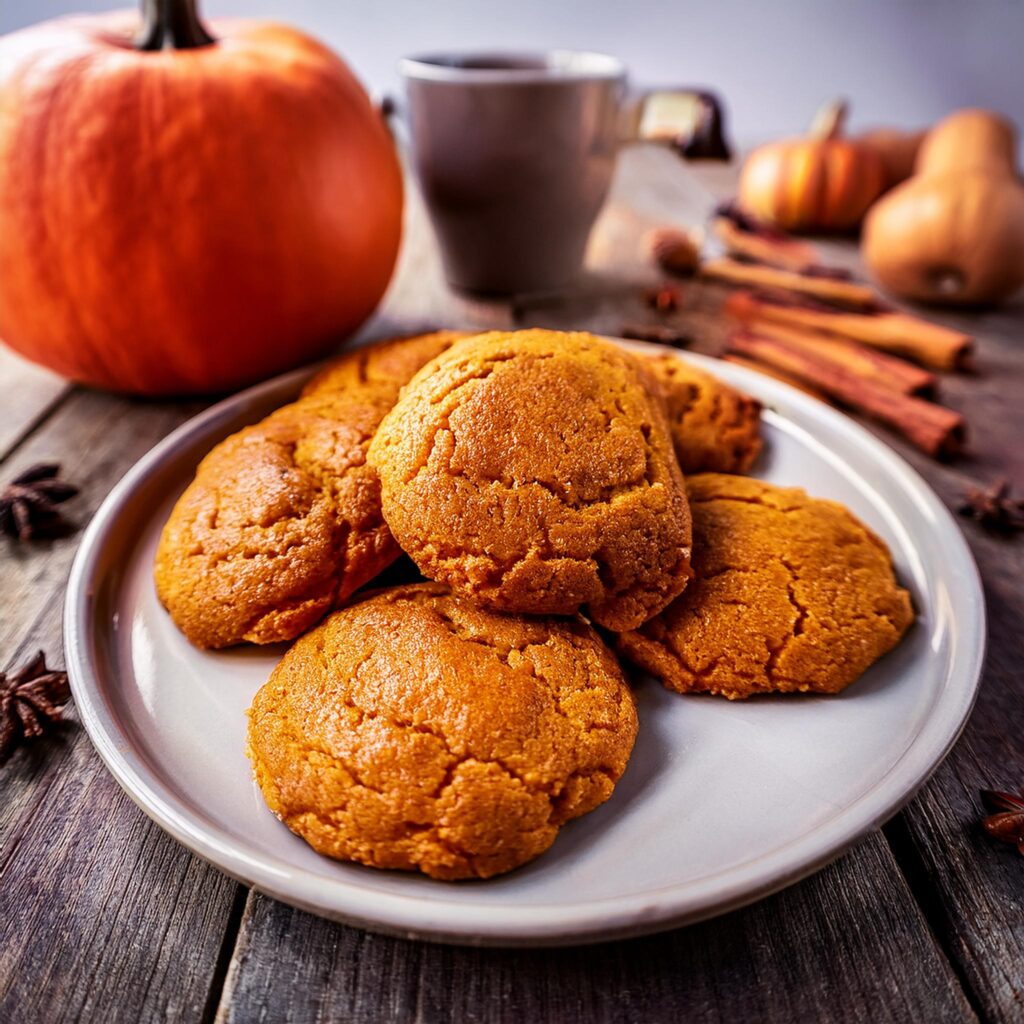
(96, 438)
(813, 953)
(29, 392)
(102, 917)
(971, 888)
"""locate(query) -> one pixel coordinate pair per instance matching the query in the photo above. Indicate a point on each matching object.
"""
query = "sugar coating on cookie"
(413, 730)
(283, 519)
(533, 471)
(790, 594)
(715, 427)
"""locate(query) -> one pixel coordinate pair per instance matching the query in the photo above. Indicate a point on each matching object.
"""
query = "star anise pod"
(30, 700)
(993, 508)
(28, 504)
(1006, 820)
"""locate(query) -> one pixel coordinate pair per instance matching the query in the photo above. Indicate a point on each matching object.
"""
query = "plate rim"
(476, 923)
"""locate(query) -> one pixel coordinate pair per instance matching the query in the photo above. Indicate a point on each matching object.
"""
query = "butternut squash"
(954, 232)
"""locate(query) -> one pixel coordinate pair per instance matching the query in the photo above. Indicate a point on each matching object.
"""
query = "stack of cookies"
(535, 479)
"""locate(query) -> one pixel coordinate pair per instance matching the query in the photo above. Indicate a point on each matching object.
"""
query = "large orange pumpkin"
(821, 182)
(181, 213)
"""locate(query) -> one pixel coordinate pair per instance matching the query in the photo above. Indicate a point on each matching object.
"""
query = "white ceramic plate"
(722, 802)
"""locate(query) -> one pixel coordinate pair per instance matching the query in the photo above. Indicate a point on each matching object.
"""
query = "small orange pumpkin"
(182, 213)
(822, 182)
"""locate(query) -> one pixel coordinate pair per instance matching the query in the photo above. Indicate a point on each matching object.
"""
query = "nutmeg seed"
(675, 251)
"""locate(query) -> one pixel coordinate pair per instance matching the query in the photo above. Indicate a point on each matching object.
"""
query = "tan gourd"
(896, 149)
(954, 232)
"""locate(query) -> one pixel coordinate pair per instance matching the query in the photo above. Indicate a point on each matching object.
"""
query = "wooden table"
(104, 918)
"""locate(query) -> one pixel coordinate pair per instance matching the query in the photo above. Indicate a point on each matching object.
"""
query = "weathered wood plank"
(972, 888)
(96, 438)
(847, 945)
(28, 392)
(102, 916)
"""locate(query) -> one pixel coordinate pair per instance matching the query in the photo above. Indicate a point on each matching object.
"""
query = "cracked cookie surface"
(283, 518)
(715, 427)
(533, 471)
(413, 730)
(790, 594)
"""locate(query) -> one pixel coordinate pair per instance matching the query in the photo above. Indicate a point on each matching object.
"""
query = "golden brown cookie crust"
(393, 362)
(790, 594)
(283, 519)
(415, 731)
(715, 428)
(533, 472)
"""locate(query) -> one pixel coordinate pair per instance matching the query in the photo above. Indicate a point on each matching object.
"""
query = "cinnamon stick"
(933, 428)
(832, 289)
(772, 249)
(929, 344)
(869, 363)
(775, 373)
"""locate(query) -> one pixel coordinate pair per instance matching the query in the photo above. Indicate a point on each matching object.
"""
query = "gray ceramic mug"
(515, 153)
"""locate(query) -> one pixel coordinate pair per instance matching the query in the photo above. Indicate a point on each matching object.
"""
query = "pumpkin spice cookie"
(715, 428)
(283, 519)
(413, 730)
(533, 471)
(790, 593)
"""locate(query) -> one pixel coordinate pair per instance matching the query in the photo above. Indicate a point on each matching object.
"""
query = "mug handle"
(393, 115)
(689, 121)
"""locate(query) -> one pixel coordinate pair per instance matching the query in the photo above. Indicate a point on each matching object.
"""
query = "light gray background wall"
(900, 61)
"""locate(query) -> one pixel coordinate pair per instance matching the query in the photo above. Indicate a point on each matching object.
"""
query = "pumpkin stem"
(829, 121)
(171, 25)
